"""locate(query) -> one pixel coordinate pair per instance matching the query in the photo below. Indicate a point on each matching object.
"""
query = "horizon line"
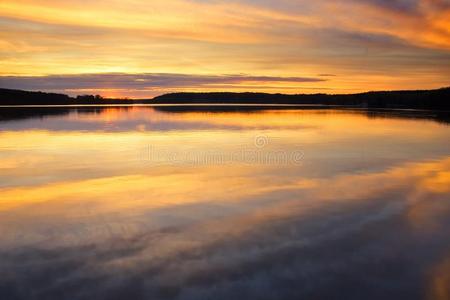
(228, 92)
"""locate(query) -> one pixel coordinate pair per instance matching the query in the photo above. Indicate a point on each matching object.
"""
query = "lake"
(169, 202)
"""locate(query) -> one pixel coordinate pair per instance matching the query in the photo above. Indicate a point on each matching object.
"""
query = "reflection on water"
(145, 203)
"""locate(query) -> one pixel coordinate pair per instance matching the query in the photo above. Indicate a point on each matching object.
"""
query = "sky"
(141, 48)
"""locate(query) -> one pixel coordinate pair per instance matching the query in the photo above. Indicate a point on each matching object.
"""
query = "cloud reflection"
(365, 215)
(308, 243)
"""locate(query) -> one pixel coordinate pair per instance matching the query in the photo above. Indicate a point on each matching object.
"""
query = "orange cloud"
(371, 45)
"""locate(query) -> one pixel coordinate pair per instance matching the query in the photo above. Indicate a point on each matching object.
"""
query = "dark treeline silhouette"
(427, 99)
(18, 97)
(422, 99)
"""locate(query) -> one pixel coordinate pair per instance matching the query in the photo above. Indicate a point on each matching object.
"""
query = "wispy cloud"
(371, 44)
(143, 83)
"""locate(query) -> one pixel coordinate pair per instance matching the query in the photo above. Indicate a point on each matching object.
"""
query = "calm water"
(161, 203)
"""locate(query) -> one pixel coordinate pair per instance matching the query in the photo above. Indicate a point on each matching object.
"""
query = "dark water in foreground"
(153, 203)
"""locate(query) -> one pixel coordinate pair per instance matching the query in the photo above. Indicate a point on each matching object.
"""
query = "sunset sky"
(142, 48)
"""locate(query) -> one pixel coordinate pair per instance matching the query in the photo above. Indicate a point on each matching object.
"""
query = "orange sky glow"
(140, 49)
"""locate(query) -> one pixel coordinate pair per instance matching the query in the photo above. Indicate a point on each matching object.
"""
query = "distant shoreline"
(231, 106)
(438, 99)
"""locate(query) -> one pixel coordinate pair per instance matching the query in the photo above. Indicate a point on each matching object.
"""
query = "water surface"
(169, 203)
